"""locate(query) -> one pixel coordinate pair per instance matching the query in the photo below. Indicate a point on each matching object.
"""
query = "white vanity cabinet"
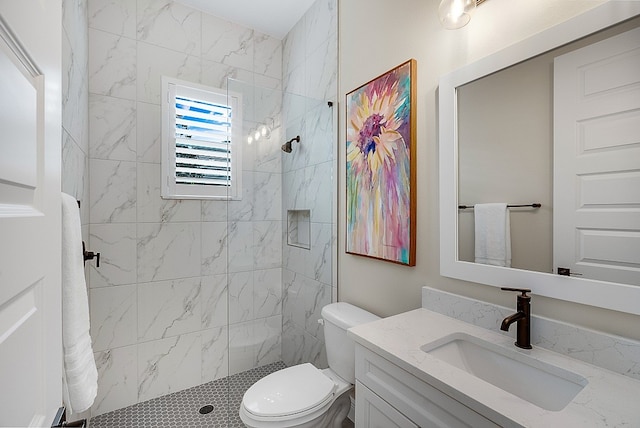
(400, 379)
(388, 396)
(373, 412)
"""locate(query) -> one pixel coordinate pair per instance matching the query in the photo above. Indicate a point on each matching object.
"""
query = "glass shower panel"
(253, 243)
(254, 240)
(274, 289)
(308, 223)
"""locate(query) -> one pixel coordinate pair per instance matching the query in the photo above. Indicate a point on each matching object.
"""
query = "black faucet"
(522, 317)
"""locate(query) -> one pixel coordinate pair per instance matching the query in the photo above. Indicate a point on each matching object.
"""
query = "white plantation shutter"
(201, 142)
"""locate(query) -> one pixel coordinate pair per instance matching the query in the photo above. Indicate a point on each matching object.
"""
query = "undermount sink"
(544, 385)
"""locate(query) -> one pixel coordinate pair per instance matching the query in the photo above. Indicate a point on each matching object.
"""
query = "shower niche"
(299, 228)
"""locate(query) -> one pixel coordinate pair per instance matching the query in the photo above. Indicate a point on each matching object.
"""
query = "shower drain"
(206, 409)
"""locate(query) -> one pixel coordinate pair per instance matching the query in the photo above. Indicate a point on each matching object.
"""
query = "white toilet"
(303, 396)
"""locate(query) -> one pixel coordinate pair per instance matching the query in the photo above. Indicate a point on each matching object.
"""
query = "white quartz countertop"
(608, 400)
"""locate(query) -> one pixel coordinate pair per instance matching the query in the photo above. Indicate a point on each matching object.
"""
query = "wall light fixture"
(454, 14)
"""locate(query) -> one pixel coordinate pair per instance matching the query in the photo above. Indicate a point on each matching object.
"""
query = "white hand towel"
(493, 234)
(80, 376)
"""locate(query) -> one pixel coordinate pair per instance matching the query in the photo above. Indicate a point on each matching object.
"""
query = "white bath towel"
(80, 376)
(493, 234)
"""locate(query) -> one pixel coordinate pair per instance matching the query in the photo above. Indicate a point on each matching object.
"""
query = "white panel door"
(30, 124)
(597, 160)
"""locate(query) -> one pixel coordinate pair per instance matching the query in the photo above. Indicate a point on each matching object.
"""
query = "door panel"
(597, 160)
(21, 324)
(30, 108)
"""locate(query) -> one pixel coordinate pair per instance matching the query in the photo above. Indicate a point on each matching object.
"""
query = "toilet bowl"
(298, 396)
(304, 396)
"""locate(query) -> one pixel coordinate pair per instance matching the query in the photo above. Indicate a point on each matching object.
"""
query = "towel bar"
(534, 205)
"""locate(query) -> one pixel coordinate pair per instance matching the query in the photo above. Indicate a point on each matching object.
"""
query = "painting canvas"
(380, 170)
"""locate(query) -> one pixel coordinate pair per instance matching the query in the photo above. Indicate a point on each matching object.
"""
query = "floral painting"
(381, 167)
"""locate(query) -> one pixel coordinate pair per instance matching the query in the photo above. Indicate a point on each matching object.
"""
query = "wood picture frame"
(380, 167)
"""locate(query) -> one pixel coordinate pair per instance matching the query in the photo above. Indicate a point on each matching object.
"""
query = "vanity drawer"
(420, 402)
(373, 412)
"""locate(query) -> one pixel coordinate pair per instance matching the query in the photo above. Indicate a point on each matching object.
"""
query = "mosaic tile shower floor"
(181, 409)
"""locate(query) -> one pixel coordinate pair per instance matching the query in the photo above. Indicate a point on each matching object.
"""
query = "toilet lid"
(288, 391)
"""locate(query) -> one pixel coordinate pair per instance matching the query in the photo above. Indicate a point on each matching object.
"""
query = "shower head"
(286, 147)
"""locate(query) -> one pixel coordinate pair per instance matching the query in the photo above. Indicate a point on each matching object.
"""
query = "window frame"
(170, 189)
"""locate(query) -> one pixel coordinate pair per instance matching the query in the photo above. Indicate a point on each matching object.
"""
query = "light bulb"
(265, 131)
(249, 139)
(256, 136)
(455, 14)
(457, 9)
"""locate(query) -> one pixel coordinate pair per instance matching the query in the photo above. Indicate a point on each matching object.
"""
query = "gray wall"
(410, 29)
(506, 155)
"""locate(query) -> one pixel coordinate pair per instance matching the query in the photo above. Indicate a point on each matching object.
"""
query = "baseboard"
(352, 411)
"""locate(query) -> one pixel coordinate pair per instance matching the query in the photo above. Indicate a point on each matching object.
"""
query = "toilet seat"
(289, 393)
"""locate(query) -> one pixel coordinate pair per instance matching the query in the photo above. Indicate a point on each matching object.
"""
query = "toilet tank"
(338, 317)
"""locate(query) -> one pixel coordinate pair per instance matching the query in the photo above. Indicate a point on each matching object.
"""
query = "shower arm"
(296, 139)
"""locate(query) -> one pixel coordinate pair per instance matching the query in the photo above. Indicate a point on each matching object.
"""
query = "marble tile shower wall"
(310, 80)
(159, 299)
(75, 106)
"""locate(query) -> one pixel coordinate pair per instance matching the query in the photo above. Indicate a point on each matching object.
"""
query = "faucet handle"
(524, 291)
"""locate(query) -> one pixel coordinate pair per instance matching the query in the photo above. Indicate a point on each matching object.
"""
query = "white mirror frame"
(618, 297)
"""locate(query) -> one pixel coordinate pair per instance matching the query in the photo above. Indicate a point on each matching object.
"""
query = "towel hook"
(89, 255)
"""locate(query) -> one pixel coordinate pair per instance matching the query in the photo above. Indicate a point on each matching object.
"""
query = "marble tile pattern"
(148, 135)
(187, 290)
(112, 128)
(192, 291)
(169, 365)
(614, 353)
(75, 87)
(214, 248)
(158, 314)
(112, 65)
(117, 243)
(113, 317)
(309, 70)
(152, 208)
(118, 379)
(75, 175)
(114, 16)
(112, 194)
(75, 104)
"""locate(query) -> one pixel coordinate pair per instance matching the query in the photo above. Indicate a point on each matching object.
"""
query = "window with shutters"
(201, 156)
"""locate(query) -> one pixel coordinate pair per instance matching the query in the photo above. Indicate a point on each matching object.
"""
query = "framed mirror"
(507, 132)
